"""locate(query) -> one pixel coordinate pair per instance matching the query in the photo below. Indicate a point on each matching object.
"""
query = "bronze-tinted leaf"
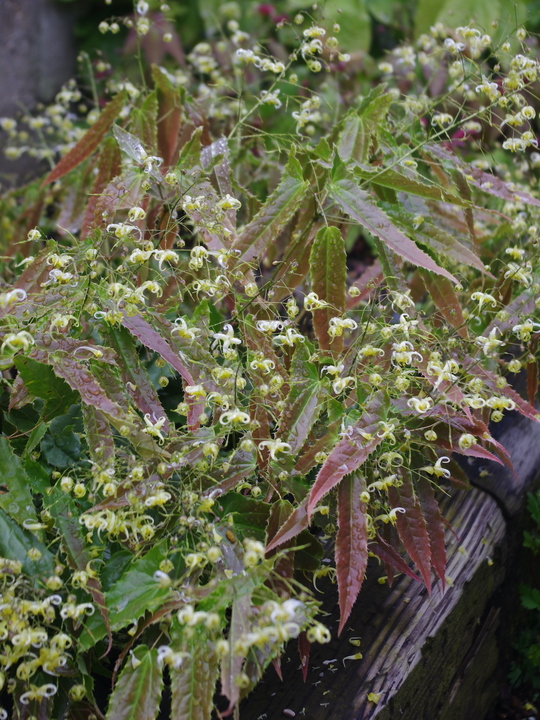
(276, 212)
(434, 525)
(351, 544)
(350, 452)
(411, 527)
(90, 140)
(356, 203)
(137, 693)
(442, 292)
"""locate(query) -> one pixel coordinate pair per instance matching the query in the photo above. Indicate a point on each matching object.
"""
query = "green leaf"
(452, 13)
(137, 693)
(129, 144)
(144, 122)
(90, 140)
(328, 269)
(61, 446)
(250, 515)
(361, 127)
(356, 203)
(354, 21)
(530, 597)
(273, 215)
(137, 592)
(193, 682)
(42, 382)
(391, 178)
(17, 501)
(15, 544)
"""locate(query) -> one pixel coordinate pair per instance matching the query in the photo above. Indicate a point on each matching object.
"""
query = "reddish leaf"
(293, 526)
(441, 291)
(328, 270)
(390, 556)
(411, 527)
(484, 181)
(475, 451)
(434, 525)
(303, 650)
(348, 454)
(356, 203)
(90, 140)
(522, 406)
(109, 166)
(153, 340)
(351, 544)
(532, 381)
(143, 392)
(306, 460)
(302, 405)
(169, 118)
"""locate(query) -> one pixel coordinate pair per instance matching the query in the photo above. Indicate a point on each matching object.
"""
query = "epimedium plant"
(203, 399)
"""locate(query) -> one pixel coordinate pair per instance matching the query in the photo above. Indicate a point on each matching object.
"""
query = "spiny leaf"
(411, 527)
(356, 203)
(143, 392)
(15, 544)
(98, 435)
(41, 382)
(446, 244)
(193, 682)
(302, 404)
(17, 501)
(434, 525)
(137, 592)
(274, 215)
(129, 144)
(441, 291)
(328, 269)
(351, 544)
(231, 664)
(389, 555)
(391, 178)
(293, 526)
(143, 122)
(169, 117)
(484, 181)
(350, 452)
(361, 127)
(90, 140)
(153, 340)
(109, 166)
(137, 692)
